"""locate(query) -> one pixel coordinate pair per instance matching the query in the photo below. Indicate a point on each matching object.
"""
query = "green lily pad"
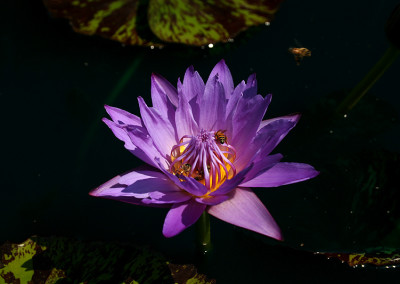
(202, 22)
(376, 257)
(16, 261)
(114, 19)
(48, 260)
(155, 22)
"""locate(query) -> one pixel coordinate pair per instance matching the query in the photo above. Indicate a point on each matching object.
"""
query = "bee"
(183, 170)
(299, 53)
(220, 136)
(199, 175)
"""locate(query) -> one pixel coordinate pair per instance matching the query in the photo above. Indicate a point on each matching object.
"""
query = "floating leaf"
(202, 22)
(388, 257)
(113, 19)
(135, 22)
(188, 274)
(16, 261)
(47, 260)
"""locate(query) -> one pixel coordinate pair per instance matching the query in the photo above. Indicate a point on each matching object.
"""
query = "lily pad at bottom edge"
(64, 260)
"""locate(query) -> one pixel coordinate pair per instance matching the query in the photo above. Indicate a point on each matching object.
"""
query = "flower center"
(207, 157)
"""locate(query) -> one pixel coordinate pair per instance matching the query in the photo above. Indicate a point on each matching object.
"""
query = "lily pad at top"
(113, 19)
(155, 22)
(201, 22)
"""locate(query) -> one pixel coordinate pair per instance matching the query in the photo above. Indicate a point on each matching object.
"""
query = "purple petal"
(224, 76)
(272, 133)
(181, 216)
(232, 183)
(266, 139)
(121, 116)
(251, 86)
(185, 123)
(212, 105)
(291, 117)
(168, 197)
(281, 174)
(192, 186)
(245, 210)
(153, 187)
(246, 120)
(141, 145)
(166, 87)
(234, 98)
(193, 84)
(120, 133)
(214, 200)
(232, 105)
(263, 165)
(161, 102)
(143, 141)
(113, 189)
(159, 128)
(188, 184)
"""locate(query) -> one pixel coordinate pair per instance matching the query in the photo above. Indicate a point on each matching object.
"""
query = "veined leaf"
(196, 22)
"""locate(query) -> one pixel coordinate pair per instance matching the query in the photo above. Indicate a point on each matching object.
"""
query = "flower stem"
(203, 233)
(369, 80)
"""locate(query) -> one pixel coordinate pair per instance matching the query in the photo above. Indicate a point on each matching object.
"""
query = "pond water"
(53, 86)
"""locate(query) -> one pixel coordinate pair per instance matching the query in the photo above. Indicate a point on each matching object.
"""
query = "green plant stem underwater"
(116, 91)
(369, 80)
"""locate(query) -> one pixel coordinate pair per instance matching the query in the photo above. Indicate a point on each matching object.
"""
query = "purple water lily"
(206, 146)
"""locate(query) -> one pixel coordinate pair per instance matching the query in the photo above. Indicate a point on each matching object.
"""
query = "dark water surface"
(54, 83)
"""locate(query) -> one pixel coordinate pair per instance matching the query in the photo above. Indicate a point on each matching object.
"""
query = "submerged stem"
(369, 80)
(203, 233)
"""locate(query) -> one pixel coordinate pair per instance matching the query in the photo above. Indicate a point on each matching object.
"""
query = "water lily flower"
(206, 146)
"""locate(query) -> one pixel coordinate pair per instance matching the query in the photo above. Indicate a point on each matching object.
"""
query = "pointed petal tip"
(169, 234)
(296, 116)
(252, 78)
(278, 237)
(191, 69)
(222, 64)
(140, 100)
(245, 210)
(316, 173)
(155, 78)
(155, 75)
(109, 109)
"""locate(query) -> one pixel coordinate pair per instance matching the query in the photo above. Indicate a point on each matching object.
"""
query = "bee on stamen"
(183, 170)
(220, 136)
(199, 174)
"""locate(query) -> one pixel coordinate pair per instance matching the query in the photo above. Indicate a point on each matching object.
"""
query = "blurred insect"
(183, 170)
(199, 175)
(220, 136)
(299, 53)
